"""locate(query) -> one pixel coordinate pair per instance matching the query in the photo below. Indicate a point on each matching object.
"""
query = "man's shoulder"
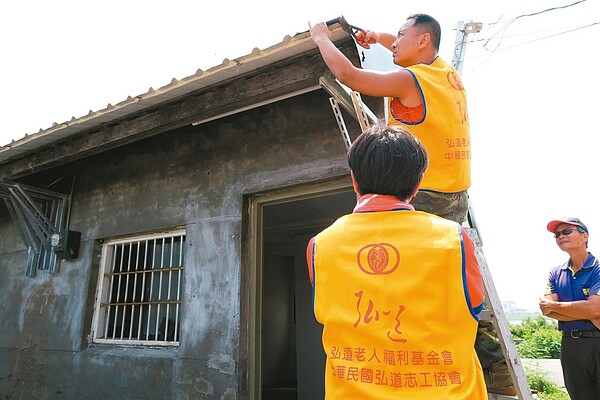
(595, 266)
(560, 268)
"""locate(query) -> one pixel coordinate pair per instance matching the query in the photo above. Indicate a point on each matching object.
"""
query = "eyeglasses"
(566, 231)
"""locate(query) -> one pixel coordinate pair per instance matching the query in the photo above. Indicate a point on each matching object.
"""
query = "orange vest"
(444, 130)
(389, 291)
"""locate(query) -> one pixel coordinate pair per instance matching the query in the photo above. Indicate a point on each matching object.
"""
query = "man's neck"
(578, 258)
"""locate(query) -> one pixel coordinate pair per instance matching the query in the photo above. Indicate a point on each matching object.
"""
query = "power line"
(549, 9)
(503, 29)
(544, 37)
(489, 55)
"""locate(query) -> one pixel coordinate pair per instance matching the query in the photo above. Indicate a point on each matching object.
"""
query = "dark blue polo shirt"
(574, 287)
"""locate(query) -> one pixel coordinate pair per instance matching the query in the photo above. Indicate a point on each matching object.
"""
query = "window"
(139, 290)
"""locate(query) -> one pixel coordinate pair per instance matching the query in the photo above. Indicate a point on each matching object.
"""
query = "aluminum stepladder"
(495, 314)
(352, 102)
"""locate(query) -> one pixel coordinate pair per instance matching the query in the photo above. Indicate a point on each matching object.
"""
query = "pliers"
(351, 29)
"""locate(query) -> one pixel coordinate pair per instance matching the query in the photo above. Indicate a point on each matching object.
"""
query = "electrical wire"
(550, 36)
(523, 16)
(504, 28)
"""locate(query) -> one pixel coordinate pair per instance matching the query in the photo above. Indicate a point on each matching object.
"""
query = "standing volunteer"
(382, 277)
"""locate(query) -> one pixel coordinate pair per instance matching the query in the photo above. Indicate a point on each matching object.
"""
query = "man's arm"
(309, 259)
(368, 38)
(473, 274)
(396, 83)
(551, 314)
(571, 310)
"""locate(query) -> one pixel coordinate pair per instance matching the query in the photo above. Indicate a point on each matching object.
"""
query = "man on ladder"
(426, 95)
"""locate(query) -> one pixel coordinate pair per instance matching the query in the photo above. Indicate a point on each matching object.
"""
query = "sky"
(530, 74)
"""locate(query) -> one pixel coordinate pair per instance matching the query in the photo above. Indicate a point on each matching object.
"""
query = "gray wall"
(194, 177)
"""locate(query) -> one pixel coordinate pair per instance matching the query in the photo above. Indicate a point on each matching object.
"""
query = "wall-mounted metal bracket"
(41, 217)
(352, 102)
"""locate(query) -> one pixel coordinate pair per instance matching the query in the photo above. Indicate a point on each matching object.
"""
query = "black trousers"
(580, 359)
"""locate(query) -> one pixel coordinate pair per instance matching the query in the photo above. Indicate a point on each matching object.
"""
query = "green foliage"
(537, 338)
(546, 389)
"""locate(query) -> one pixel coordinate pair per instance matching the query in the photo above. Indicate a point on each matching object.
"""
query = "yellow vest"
(389, 290)
(445, 129)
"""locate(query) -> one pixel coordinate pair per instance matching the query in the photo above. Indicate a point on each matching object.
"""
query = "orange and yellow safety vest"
(390, 291)
(444, 127)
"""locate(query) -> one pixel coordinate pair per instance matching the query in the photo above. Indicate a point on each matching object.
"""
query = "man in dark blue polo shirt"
(573, 298)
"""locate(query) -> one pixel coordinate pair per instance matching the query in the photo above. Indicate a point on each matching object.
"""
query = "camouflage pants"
(487, 345)
(452, 206)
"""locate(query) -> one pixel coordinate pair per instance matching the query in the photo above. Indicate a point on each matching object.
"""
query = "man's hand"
(367, 38)
(319, 32)
(546, 306)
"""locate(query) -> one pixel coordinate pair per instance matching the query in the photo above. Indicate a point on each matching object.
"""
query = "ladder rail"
(498, 319)
(340, 121)
(358, 104)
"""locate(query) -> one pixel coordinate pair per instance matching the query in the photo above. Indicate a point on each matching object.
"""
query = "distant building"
(508, 306)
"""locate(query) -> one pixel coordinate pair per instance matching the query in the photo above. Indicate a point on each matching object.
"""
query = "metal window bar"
(126, 278)
(134, 292)
(110, 289)
(143, 292)
(116, 301)
(160, 275)
(178, 298)
(151, 289)
(169, 287)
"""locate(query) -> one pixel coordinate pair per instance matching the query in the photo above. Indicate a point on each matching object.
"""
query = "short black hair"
(430, 25)
(388, 160)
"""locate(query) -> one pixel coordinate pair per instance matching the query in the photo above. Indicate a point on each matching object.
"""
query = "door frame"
(256, 202)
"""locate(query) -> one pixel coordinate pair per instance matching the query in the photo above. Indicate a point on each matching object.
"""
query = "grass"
(546, 389)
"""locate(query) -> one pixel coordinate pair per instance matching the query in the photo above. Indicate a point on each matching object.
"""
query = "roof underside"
(288, 48)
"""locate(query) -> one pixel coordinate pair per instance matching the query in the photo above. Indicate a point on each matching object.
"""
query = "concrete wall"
(192, 177)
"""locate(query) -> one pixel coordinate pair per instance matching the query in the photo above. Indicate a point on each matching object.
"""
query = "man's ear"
(424, 40)
(354, 183)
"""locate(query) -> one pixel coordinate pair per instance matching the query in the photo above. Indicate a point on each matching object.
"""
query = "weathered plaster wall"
(193, 177)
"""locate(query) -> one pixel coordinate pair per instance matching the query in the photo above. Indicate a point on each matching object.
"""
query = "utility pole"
(495, 312)
(460, 44)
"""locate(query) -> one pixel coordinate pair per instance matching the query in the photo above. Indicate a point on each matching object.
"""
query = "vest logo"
(455, 81)
(378, 259)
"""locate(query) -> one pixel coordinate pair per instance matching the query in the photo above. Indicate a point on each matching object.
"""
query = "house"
(155, 249)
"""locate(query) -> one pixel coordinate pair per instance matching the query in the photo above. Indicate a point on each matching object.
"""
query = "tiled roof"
(290, 46)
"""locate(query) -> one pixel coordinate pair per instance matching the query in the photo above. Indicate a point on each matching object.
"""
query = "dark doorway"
(292, 358)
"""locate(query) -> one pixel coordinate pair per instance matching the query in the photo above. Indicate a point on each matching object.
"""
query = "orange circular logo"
(455, 81)
(378, 258)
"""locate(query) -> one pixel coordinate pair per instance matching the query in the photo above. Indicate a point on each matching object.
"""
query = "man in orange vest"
(396, 290)
(426, 96)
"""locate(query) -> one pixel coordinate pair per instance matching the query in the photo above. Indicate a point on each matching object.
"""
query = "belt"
(582, 334)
